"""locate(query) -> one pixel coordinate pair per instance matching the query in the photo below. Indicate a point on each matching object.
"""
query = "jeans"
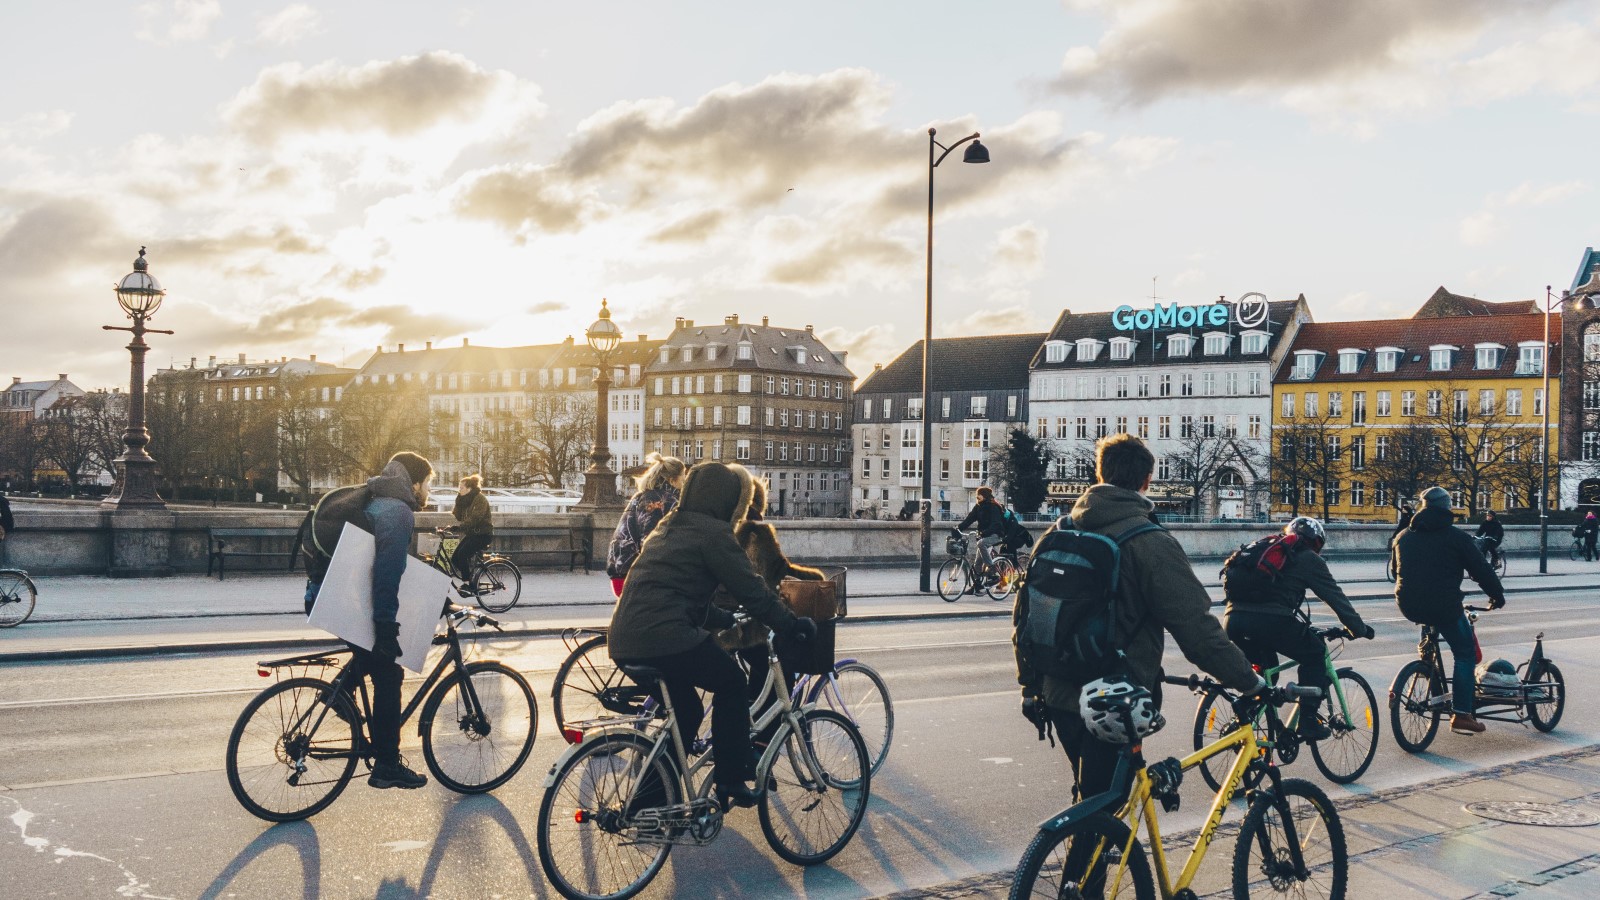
(1464, 650)
(709, 667)
(386, 676)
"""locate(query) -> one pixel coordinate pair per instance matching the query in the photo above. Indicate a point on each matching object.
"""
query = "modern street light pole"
(599, 482)
(977, 153)
(1544, 449)
(140, 296)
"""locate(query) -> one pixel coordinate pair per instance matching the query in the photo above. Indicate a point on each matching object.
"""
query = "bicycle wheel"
(954, 579)
(1416, 702)
(1501, 567)
(473, 747)
(1213, 718)
(1098, 850)
(1575, 551)
(589, 686)
(1264, 859)
(17, 597)
(809, 813)
(1345, 756)
(1547, 697)
(1005, 579)
(591, 843)
(856, 690)
(290, 752)
(1388, 568)
(498, 583)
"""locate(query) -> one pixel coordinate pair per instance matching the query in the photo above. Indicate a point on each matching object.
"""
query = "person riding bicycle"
(665, 618)
(7, 523)
(477, 527)
(1265, 615)
(656, 495)
(1429, 559)
(1491, 534)
(1016, 535)
(990, 517)
(1158, 593)
(1402, 521)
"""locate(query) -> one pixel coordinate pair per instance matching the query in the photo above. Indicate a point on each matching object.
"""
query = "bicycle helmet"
(1309, 529)
(1101, 705)
(1498, 678)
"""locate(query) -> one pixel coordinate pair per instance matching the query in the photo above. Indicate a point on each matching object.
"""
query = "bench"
(555, 545)
(265, 543)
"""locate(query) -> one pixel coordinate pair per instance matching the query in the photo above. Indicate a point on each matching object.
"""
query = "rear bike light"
(264, 673)
(581, 816)
(572, 735)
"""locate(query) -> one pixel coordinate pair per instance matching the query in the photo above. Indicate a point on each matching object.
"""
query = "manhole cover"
(1525, 812)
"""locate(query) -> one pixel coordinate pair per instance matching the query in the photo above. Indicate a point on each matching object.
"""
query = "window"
(1216, 344)
(1383, 403)
(1441, 357)
(1122, 386)
(1231, 384)
(944, 407)
(1088, 349)
(909, 436)
(1408, 403)
(1063, 428)
(1099, 427)
(944, 470)
(1041, 428)
(1336, 403)
(699, 415)
(944, 439)
(1358, 493)
(1488, 356)
(1254, 433)
(1514, 399)
(658, 417)
(1381, 449)
(1164, 468)
(1186, 384)
(716, 415)
(1100, 387)
(741, 449)
(1083, 387)
(1538, 402)
(770, 415)
(700, 449)
(1178, 345)
(1208, 426)
(1164, 427)
(1055, 352)
(1530, 358)
(1185, 427)
(783, 419)
(1121, 348)
(1435, 401)
(1350, 361)
(1144, 428)
(980, 407)
(1287, 410)
(1311, 405)
(1208, 384)
(1358, 453)
(677, 415)
(914, 408)
(1305, 364)
(744, 388)
(1591, 446)
(977, 436)
(1388, 358)
(888, 408)
(743, 417)
(1253, 342)
(1011, 406)
(1485, 402)
(1083, 428)
(1165, 386)
(911, 468)
(866, 409)
(746, 351)
(1358, 408)
(976, 469)
(1458, 406)
(783, 386)
(1144, 385)
(1255, 384)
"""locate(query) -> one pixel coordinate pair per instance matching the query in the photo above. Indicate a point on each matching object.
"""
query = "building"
(1367, 414)
(774, 399)
(1578, 327)
(1193, 381)
(978, 387)
(28, 400)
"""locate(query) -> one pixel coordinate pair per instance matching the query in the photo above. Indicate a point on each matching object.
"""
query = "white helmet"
(1102, 706)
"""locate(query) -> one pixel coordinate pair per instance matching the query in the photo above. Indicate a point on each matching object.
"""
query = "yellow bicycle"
(1291, 842)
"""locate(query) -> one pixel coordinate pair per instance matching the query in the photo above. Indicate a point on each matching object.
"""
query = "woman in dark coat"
(760, 542)
(656, 496)
(476, 525)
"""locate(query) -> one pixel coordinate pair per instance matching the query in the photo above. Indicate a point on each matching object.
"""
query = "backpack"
(1016, 534)
(1250, 573)
(1067, 610)
(320, 529)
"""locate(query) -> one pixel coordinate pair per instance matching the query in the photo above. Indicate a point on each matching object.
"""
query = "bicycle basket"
(955, 545)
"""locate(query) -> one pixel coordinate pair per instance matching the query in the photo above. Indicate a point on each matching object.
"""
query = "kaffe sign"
(1249, 312)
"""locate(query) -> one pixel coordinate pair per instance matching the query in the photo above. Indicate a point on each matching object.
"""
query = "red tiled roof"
(1414, 337)
(1444, 304)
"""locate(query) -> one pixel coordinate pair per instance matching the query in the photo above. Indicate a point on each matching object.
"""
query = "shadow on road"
(300, 836)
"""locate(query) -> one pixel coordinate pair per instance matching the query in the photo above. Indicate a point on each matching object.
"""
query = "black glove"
(1497, 602)
(803, 630)
(1034, 710)
(1364, 631)
(387, 643)
(718, 618)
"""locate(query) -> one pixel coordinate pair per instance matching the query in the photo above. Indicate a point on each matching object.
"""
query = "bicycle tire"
(1556, 699)
(1213, 718)
(1274, 869)
(1105, 836)
(1005, 578)
(1346, 755)
(1503, 566)
(868, 707)
(497, 584)
(606, 835)
(954, 579)
(1388, 568)
(492, 737)
(584, 675)
(1575, 551)
(1413, 719)
(794, 800)
(257, 765)
(17, 598)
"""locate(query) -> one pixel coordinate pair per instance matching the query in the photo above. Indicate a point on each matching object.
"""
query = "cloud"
(842, 258)
(873, 344)
(178, 21)
(1018, 251)
(289, 25)
(1484, 225)
(692, 228)
(1009, 320)
(310, 318)
(548, 306)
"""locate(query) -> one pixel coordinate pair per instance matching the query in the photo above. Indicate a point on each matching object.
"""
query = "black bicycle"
(296, 745)
(17, 596)
(1492, 554)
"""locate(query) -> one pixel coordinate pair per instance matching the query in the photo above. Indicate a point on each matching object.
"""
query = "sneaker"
(1313, 729)
(466, 592)
(1466, 723)
(395, 774)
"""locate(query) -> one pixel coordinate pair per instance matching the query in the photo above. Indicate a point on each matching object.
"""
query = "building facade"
(1580, 398)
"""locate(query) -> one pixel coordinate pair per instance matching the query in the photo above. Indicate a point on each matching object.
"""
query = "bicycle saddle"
(643, 674)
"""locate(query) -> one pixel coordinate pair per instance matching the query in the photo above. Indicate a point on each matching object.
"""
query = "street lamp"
(976, 153)
(140, 296)
(1544, 448)
(599, 482)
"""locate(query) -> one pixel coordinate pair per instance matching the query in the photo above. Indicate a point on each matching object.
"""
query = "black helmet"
(1501, 667)
(1309, 529)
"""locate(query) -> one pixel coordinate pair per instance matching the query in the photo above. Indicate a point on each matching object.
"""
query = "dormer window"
(666, 354)
(1530, 358)
(799, 355)
(1088, 349)
(1489, 355)
(1055, 351)
(1122, 348)
(688, 354)
(1179, 345)
(1388, 358)
(1253, 342)
(711, 352)
(746, 350)
(1441, 357)
(1305, 364)
(1216, 344)
(1350, 360)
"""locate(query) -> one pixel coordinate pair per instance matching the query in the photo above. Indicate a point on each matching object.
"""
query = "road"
(113, 785)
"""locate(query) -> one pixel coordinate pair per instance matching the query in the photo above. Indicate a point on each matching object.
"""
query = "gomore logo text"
(1126, 318)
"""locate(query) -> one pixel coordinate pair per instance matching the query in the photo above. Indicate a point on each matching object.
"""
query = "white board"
(344, 602)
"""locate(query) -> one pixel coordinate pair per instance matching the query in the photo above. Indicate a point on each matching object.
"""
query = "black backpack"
(1066, 613)
(320, 529)
(1250, 574)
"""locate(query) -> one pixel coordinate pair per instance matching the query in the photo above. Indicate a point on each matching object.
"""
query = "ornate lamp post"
(599, 482)
(140, 296)
(977, 153)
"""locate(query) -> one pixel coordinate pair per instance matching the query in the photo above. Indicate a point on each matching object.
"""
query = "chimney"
(426, 345)
(688, 323)
(192, 361)
(763, 321)
(241, 359)
(380, 348)
(643, 338)
(877, 367)
(400, 348)
(678, 322)
(313, 357)
(62, 377)
(730, 320)
(567, 342)
(211, 363)
(465, 342)
(808, 329)
(16, 379)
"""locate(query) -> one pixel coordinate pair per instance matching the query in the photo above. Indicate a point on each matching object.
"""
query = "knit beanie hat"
(1436, 498)
(719, 490)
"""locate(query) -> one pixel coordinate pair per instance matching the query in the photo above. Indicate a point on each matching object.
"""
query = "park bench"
(249, 543)
(551, 545)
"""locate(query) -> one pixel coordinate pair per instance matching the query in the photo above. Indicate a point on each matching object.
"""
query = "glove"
(718, 618)
(1034, 710)
(1250, 701)
(387, 644)
(1497, 602)
(1365, 631)
(803, 630)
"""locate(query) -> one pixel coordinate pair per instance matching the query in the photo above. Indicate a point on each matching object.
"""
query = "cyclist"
(1265, 616)
(1402, 521)
(1158, 593)
(990, 517)
(476, 528)
(1017, 536)
(1492, 534)
(656, 495)
(665, 617)
(1429, 559)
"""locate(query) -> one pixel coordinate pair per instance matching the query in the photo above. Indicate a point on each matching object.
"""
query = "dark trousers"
(755, 660)
(386, 675)
(1263, 637)
(466, 555)
(709, 667)
(1464, 652)
(1093, 766)
(1589, 538)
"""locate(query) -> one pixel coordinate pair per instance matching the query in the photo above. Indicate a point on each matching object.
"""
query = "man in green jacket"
(1159, 593)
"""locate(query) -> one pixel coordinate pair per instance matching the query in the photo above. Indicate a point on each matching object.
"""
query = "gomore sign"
(1249, 312)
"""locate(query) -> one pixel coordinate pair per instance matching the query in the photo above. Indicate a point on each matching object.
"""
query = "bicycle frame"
(1141, 803)
(1429, 651)
(1271, 675)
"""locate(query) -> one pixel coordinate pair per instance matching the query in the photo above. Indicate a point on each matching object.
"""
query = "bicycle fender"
(589, 737)
(1108, 802)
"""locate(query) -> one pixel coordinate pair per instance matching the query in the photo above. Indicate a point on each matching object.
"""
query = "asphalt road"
(113, 785)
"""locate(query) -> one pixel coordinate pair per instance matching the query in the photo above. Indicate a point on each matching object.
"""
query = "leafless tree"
(105, 414)
(174, 416)
(1204, 453)
(20, 449)
(241, 444)
(304, 431)
(1405, 460)
(1474, 432)
(560, 436)
(373, 422)
(68, 441)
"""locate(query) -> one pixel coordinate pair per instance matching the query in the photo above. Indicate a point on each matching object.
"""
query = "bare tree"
(1474, 431)
(373, 422)
(105, 414)
(560, 436)
(174, 415)
(1205, 451)
(20, 449)
(303, 432)
(1405, 460)
(68, 442)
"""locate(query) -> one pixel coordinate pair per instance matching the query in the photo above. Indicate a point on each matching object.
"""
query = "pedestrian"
(476, 525)
(1590, 529)
(7, 523)
(656, 495)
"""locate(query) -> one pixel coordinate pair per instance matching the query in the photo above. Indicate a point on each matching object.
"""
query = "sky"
(326, 177)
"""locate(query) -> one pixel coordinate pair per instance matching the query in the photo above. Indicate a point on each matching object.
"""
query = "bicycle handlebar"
(458, 613)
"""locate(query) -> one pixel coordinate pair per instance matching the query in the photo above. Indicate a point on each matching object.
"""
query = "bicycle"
(960, 574)
(17, 597)
(295, 746)
(1575, 552)
(1291, 832)
(1349, 711)
(589, 685)
(1490, 548)
(493, 576)
(618, 800)
(1421, 693)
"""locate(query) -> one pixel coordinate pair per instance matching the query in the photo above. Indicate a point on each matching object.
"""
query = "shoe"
(466, 593)
(739, 794)
(395, 774)
(1466, 723)
(1313, 729)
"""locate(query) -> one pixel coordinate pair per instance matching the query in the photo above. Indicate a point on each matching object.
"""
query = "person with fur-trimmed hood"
(665, 618)
(760, 542)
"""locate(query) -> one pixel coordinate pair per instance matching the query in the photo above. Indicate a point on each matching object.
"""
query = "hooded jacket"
(1429, 559)
(392, 514)
(1160, 593)
(645, 511)
(1305, 570)
(666, 601)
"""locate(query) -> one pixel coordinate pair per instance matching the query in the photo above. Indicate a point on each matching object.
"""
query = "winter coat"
(1160, 593)
(989, 516)
(472, 511)
(1304, 570)
(1493, 529)
(1429, 559)
(392, 512)
(7, 524)
(665, 605)
(645, 510)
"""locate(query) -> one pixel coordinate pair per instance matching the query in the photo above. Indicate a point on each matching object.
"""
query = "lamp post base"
(135, 487)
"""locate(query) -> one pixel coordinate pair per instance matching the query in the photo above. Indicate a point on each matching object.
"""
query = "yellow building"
(1367, 414)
